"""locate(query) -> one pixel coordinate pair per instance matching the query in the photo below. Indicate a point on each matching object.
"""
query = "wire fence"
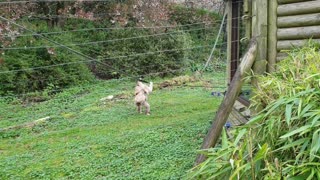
(219, 59)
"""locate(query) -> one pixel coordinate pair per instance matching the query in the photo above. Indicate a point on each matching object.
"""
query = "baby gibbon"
(141, 95)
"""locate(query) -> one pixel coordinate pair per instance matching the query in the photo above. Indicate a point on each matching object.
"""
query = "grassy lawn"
(89, 138)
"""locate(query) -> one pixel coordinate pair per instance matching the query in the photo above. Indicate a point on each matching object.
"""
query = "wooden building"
(277, 25)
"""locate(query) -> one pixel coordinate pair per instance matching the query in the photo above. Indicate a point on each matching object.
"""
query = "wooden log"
(289, 44)
(247, 21)
(281, 56)
(26, 125)
(291, 1)
(272, 35)
(229, 100)
(299, 33)
(299, 20)
(260, 65)
(299, 8)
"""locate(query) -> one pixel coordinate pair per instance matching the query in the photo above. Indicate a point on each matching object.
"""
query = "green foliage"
(138, 56)
(282, 141)
(205, 20)
(30, 70)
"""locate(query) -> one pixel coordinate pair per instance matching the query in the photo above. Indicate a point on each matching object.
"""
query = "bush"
(282, 141)
(31, 70)
(138, 56)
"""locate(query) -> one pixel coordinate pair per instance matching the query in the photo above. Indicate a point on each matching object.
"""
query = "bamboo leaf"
(288, 113)
(302, 150)
(238, 170)
(261, 153)
(307, 108)
(299, 107)
(293, 144)
(315, 120)
(315, 145)
(256, 119)
(239, 136)
(275, 106)
(299, 130)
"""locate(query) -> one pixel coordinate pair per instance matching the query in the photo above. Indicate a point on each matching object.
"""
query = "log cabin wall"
(278, 25)
(297, 21)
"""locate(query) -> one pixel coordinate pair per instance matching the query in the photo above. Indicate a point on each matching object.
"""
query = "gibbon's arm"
(150, 88)
(147, 89)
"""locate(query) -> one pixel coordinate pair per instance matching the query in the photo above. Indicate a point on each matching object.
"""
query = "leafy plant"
(282, 141)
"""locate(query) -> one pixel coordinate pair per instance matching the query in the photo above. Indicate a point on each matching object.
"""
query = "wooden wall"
(297, 21)
(278, 25)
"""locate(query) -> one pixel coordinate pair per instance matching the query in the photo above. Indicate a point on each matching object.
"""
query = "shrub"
(282, 141)
(31, 70)
(138, 56)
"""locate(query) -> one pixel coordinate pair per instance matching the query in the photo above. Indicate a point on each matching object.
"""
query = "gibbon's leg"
(147, 107)
(139, 107)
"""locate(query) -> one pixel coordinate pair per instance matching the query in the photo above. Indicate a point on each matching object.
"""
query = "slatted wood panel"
(297, 22)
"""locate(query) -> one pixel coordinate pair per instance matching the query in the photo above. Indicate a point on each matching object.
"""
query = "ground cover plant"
(282, 141)
(89, 136)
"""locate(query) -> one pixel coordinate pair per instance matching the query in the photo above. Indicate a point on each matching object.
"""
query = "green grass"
(87, 138)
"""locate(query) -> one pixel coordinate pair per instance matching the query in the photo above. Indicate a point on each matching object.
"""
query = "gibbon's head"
(141, 80)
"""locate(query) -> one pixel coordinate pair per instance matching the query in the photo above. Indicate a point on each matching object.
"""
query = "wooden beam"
(299, 33)
(260, 66)
(291, 1)
(299, 8)
(272, 35)
(299, 20)
(289, 44)
(229, 100)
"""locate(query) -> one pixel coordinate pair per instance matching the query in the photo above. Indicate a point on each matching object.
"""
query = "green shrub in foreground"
(282, 141)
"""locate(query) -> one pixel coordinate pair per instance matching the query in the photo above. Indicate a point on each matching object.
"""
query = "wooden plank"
(239, 117)
(227, 104)
(288, 44)
(299, 8)
(233, 119)
(299, 20)
(299, 33)
(272, 35)
(291, 1)
(229, 32)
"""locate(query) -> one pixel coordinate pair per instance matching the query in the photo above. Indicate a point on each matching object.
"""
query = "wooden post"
(272, 35)
(260, 30)
(229, 100)
(229, 31)
(247, 9)
(261, 33)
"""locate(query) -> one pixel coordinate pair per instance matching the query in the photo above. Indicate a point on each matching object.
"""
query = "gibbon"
(141, 95)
